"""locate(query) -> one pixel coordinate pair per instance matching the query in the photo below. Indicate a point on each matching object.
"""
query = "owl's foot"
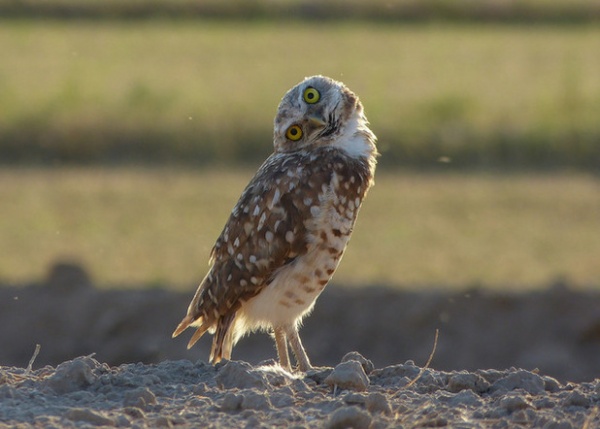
(296, 345)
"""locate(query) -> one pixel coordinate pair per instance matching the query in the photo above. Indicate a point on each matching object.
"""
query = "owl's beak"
(316, 122)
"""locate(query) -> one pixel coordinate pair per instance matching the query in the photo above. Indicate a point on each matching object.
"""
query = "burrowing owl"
(286, 235)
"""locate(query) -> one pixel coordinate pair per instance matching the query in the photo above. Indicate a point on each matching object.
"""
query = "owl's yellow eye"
(311, 95)
(294, 133)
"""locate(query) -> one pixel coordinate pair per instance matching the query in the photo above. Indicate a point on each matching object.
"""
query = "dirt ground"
(502, 359)
(85, 393)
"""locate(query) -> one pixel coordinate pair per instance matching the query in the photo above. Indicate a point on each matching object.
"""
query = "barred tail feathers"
(223, 338)
(189, 321)
(183, 325)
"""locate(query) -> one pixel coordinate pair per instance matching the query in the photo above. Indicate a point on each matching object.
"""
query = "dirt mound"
(84, 392)
(556, 330)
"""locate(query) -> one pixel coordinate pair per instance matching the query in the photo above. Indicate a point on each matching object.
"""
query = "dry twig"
(435, 341)
(35, 353)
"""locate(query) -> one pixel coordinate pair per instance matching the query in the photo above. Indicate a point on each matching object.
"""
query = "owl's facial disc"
(317, 111)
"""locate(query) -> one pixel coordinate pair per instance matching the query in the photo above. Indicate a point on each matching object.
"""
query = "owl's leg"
(282, 347)
(296, 345)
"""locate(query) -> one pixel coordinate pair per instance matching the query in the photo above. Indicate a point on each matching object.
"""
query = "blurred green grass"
(199, 92)
(186, 93)
(156, 227)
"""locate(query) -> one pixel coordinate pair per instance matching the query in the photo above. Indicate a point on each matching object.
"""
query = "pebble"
(231, 402)
(71, 376)
(122, 421)
(576, 399)
(162, 422)
(513, 402)
(395, 374)
(317, 375)
(134, 412)
(465, 398)
(348, 375)
(255, 401)
(350, 417)
(551, 384)
(7, 391)
(467, 381)
(528, 381)
(367, 365)
(355, 398)
(280, 400)
(240, 375)
(140, 398)
(378, 403)
(556, 424)
(88, 416)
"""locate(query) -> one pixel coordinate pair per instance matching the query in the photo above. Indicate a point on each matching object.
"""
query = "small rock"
(378, 403)
(140, 398)
(6, 391)
(528, 381)
(367, 365)
(543, 402)
(71, 376)
(380, 424)
(279, 400)
(576, 399)
(556, 424)
(349, 417)
(240, 375)
(491, 375)
(355, 398)
(134, 412)
(200, 402)
(522, 417)
(232, 402)
(348, 375)
(162, 422)
(122, 421)
(299, 386)
(317, 375)
(252, 422)
(434, 421)
(255, 401)
(465, 398)
(467, 381)
(513, 403)
(200, 389)
(88, 416)
(551, 384)
(393, 374)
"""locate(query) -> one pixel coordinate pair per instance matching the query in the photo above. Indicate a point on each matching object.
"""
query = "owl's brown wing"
(265, 231)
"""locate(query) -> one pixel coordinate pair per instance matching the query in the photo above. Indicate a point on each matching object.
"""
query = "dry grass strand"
(435, 341)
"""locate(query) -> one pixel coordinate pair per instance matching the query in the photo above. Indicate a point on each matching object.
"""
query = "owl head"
(320, 111)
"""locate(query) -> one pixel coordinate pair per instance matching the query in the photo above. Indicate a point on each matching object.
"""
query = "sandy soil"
(138, 377)
(84, 392)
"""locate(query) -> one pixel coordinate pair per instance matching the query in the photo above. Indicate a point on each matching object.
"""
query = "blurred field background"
(129, 129)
